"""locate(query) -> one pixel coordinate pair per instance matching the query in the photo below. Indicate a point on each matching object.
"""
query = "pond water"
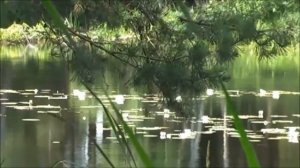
(46, 118)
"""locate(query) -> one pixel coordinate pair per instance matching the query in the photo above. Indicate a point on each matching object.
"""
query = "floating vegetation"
(119, 99)
(232, 133)
(29, 102)
(279, 116)
(275, 94)
(106, 129)
(162, 113)
(111, 138)
(235, 136)
(131, 111)
(29, 107)
(80, 94)
(248, 116)
(27, 94)
(207, 132)
(254, 140)
(295, 127)
(260, 122)
(150, 136)
(56, 142)
(21, 107)
(8, 91)
(41, 112)
(149, 118)
(45, 90)
(64, 97)
(149, 101)
(256, 136)
(187, 134)
(59, 94)
(114, 138)
(141, 132)
(221, 128)
(205, 119)
(35, 91)
(135, 116)
(273, 131)
(31, 119)
(209, 92)
(282, 121)
(234, 93)
(164, 135)
(41, 96)
(293, 135)
(134, 97)
(150, 128)
(210, 125)
(296, 115)
(53, 112)
(277, 138)
(90, 107)
(46, 107)
(134, 120)
(8, 103)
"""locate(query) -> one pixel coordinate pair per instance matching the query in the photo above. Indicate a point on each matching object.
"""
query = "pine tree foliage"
(181, 49)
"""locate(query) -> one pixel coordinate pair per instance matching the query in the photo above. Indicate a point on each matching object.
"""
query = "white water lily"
(166, 115)
(125, 116)
(163, 135)
(205, 119)
(178, 99)
(275, 94)
(30, 105)
(293, 135)
(260, 114)
(166, 110)
(187, 134)
(80, 94)
(262, 92)
(119, 99)
(209, 92)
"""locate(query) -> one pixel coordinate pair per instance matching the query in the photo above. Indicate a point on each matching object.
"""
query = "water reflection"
(64, 120)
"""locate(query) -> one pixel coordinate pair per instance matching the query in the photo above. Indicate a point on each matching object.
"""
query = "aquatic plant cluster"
(44, 103)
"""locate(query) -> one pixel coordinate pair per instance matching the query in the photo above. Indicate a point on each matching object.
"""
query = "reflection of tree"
(34, 73)
(92, 129)
(69, 139)
(31, 141)
(211, 150)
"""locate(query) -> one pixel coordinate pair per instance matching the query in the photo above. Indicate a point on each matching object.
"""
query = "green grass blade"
(117, 130)
(247, 146)
(57, 163)
(103, 154)
(125, 142)
(139, 149)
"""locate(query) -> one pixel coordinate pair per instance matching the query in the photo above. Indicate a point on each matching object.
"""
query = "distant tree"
(28, 11)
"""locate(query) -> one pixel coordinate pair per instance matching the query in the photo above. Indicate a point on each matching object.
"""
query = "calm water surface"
(35, 95)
